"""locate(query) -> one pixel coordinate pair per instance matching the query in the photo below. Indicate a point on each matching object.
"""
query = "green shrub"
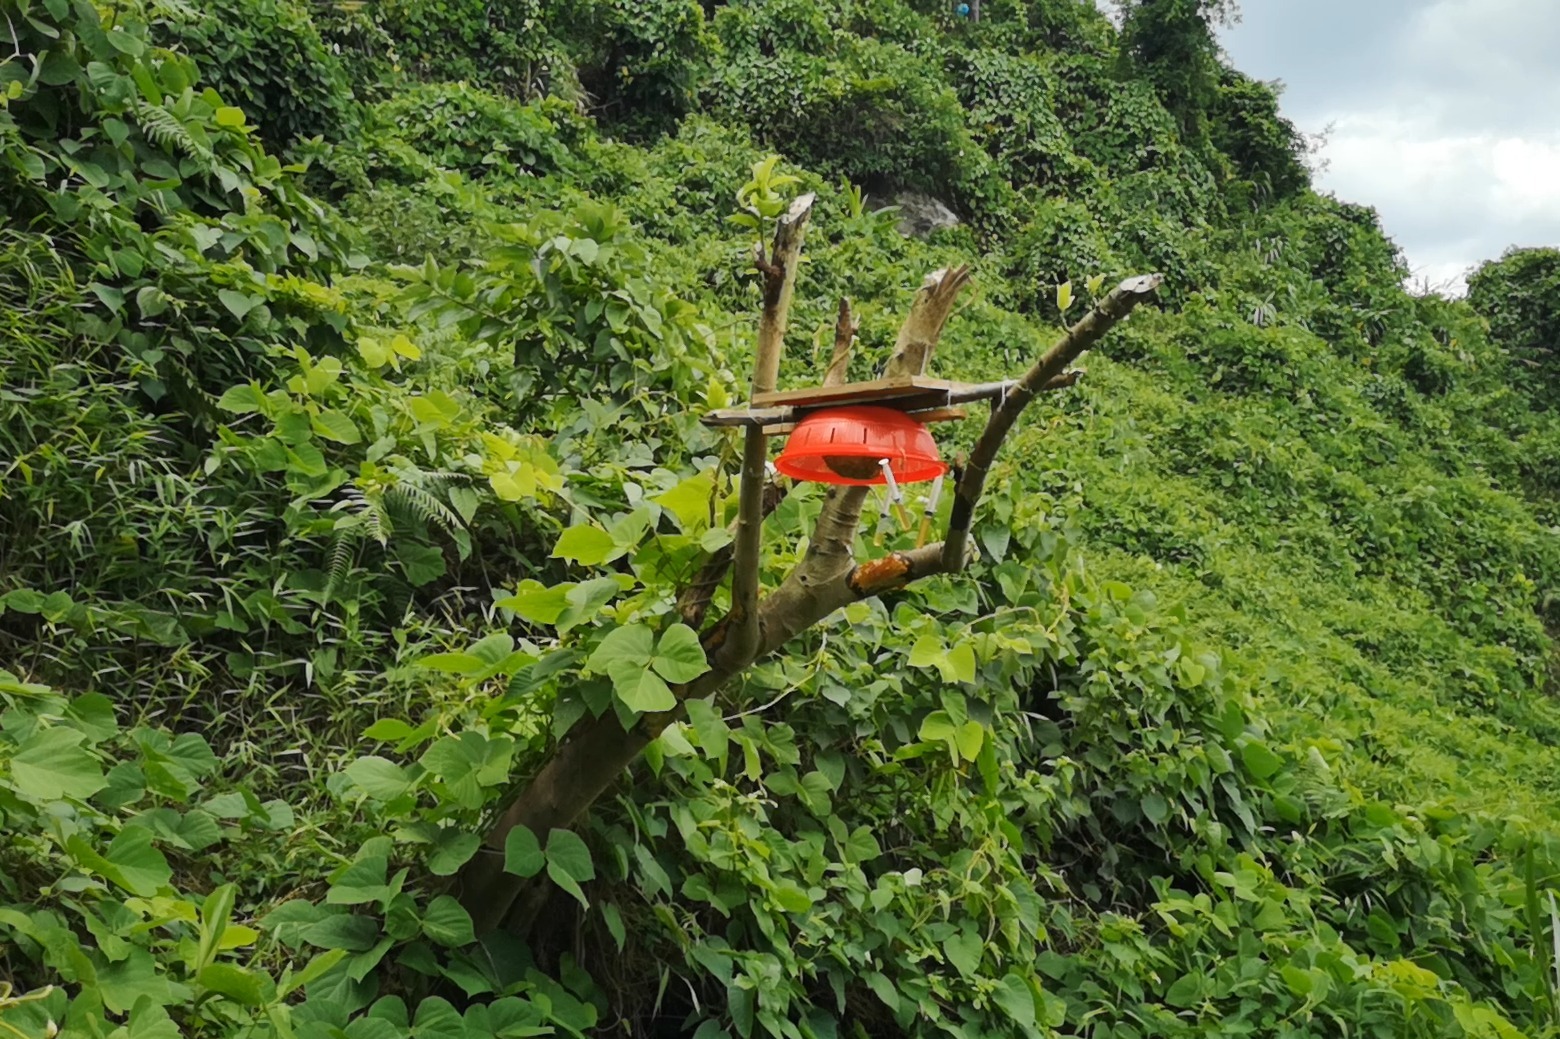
(1061, 241)
(459, 127)
(640, 62)
(266, 57)
(1519, 295)
(501, 45)
(1010, 105)
(196, 246)
(1263, 147)
(1172, 44)
(870, 111)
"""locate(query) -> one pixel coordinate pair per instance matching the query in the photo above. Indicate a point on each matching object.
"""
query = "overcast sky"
(1445, 114)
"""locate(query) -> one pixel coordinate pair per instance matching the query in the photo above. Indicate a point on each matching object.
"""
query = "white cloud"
(1442, 114)
(1527, 174)
(1450, 200)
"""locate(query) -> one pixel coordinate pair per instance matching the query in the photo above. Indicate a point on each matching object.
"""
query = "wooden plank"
(856, 392)
(929, 416)
(910, 394)
(747, 416)
(774, 418)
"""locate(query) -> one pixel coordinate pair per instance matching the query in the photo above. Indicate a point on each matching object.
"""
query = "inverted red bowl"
(843, 445)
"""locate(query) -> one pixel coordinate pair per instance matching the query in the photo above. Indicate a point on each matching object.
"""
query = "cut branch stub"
(779, 284)
(845, 327)
(923, 326)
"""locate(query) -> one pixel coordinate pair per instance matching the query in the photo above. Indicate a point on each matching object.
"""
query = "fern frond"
(412, 499)
(419, 477)
(165, 130)
(342, 556)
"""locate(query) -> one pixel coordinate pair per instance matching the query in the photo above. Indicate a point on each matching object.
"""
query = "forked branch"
(826, 579)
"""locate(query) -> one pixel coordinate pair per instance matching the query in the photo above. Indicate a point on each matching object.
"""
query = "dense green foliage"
(1519, 295)
(333, 495)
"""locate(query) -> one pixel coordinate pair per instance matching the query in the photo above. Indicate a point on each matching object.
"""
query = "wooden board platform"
(928, 416)
(876, 391)
(773, 419)
(928, 400)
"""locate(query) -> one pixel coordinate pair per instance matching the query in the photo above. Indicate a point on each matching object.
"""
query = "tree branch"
(779, 286)
(923, 326)
(1106, 313)
(827, 579)
(693, 602)
(845, 327)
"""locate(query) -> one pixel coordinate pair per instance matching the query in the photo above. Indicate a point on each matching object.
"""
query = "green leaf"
(792, 898)
(313, 970)
(138, 867)
(641, 689)
(453, 663)
(965, 951)
(678, 655)
(1260, 760)
(569, 863)
(125, 43)
(237, 303)
(937, 726)
(379, 778)
(1187, 990)
(628, 644)
(215, 914)
(567, 851)
(452, 849)
(624, 655)
(587, 545)
(927, 651)
(246, 987)
(536, 602)
(862, 846)
(242, 400)
(388, 730)
(884, 989)
(133, 980)
(961, 663)
(437, 1019)
(1016, 999)
(420, 563)
(969, 739)
(1155, 809)
(614, 920)
(690, 501)
(351, 933)
(51, 764)
(447, 922)
(360, 882)
(522, 853)
(1298, 980)
(230, 116)
(333, 425)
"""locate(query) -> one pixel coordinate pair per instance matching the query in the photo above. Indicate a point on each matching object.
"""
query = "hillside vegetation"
(351, 365)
